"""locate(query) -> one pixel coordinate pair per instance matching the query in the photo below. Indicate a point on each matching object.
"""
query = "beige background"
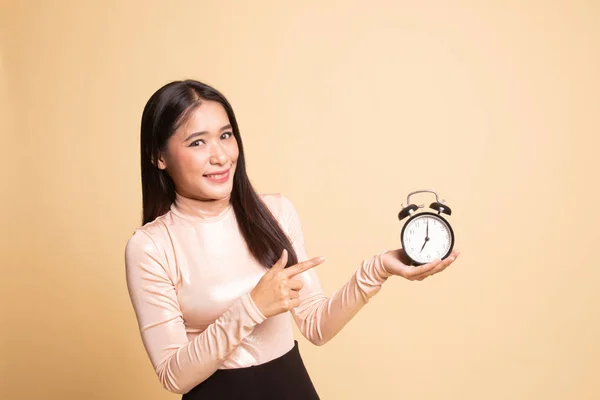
(345, 107)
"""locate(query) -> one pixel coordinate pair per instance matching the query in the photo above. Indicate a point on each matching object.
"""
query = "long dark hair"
(165, 111)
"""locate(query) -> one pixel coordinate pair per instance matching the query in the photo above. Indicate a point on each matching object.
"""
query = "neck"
(199, 209)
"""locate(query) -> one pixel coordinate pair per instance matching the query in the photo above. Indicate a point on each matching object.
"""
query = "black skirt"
(284, 378)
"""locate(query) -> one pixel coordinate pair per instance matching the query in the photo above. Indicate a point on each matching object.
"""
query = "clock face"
(426, 238)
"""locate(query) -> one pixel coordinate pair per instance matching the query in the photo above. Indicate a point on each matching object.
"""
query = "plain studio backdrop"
(345, 107)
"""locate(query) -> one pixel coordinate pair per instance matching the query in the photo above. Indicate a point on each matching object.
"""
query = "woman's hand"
(277, 292)
(397, 263)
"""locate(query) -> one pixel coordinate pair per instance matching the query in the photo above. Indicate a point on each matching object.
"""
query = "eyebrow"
(195, 134)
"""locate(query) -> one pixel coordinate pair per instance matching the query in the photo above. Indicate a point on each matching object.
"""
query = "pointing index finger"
(304, 266)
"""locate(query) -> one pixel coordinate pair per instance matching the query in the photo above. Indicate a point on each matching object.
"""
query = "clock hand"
(426, 236)
(423, 246)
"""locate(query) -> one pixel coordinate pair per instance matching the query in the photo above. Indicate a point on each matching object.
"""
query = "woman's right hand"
(277, 292)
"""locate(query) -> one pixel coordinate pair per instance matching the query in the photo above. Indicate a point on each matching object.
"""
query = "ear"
(161, 163)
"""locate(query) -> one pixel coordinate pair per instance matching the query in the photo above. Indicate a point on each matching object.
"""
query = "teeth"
(217, 176)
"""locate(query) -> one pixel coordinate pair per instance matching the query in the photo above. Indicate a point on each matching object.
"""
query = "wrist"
(383, 256)
(253, 308)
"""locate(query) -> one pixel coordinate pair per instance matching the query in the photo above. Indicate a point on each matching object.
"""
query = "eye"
(226, 135)
(195, 143)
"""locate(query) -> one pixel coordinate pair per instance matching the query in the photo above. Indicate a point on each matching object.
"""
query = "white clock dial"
(426, 238)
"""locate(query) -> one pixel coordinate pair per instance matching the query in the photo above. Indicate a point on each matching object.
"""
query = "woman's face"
(201, 155)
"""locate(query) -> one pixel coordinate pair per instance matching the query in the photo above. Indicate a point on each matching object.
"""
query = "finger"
(449, 260)
(294, 303)
(423, 270)
(282, 262)
(304, 266)
(294, 294)
(295, 284)
(439, 267)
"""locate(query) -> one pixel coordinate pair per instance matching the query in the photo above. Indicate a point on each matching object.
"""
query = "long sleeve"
(180, 364)
(320, 317)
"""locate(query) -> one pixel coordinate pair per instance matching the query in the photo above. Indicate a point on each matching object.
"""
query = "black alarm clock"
(426, 236)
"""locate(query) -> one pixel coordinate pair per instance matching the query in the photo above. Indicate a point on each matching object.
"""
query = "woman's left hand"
(396, 263)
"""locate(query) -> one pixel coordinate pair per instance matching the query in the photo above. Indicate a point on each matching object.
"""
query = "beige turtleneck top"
(189, 275)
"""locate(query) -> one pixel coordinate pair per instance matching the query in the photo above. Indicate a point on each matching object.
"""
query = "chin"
(216, 191)
(218, 194)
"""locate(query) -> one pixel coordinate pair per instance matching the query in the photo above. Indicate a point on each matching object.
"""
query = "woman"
(216, 267)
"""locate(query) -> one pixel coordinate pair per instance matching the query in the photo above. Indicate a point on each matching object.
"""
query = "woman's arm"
(320, 317)
(179, 363)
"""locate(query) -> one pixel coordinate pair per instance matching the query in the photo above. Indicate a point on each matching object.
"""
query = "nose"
(218, 155)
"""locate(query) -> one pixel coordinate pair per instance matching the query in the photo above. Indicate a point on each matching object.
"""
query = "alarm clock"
(426, 236)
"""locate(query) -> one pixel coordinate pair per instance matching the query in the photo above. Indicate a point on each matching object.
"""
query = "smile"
(219, 177)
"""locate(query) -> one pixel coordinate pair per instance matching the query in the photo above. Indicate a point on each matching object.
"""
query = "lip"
(224, 179)
(219, 172)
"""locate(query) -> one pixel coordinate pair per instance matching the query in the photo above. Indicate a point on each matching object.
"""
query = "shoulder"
(279, 204)
(285, 212)
(147, 239)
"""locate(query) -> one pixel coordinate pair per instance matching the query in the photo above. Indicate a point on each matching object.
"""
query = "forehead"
(209, 116)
